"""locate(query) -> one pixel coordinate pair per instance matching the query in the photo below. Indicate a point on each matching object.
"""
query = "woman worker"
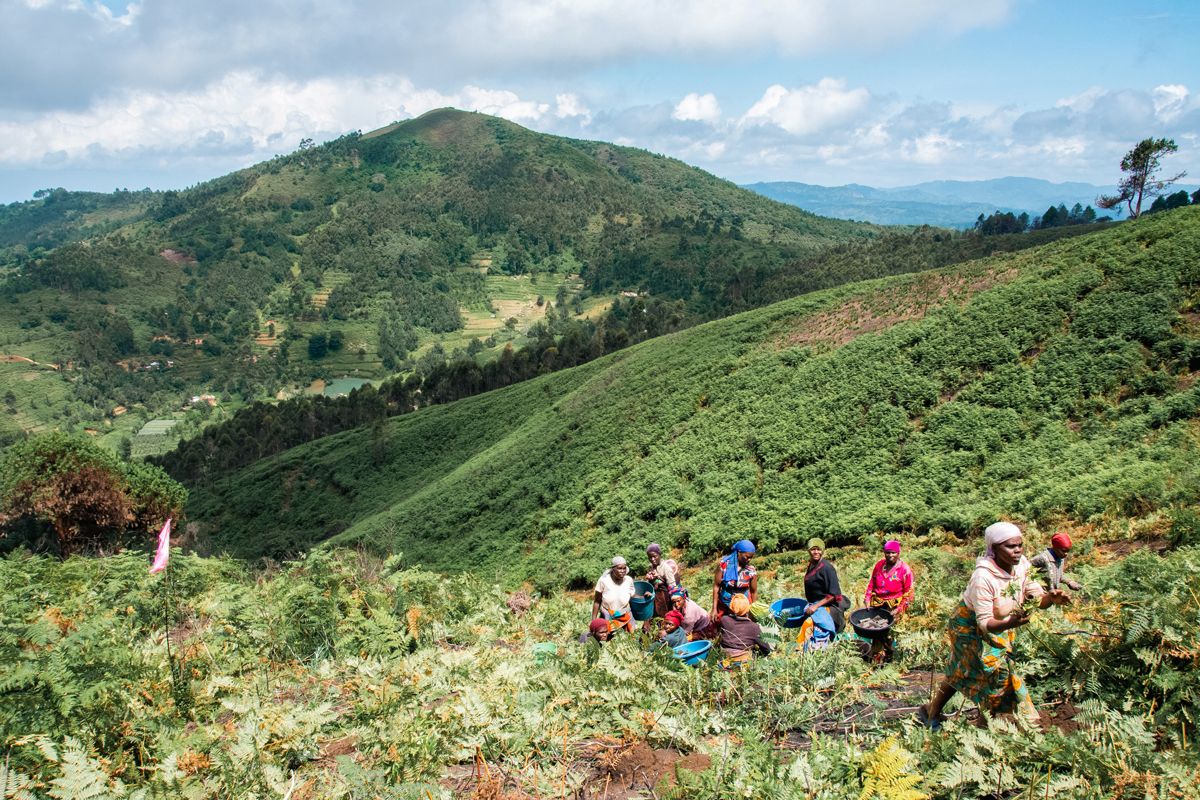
(890, 587)
(664, 574)
(734, 576)
(982, 630)
(891, 583)
(694, 620)
(1053, 560)
(740, 635)
(821, 586)
(614, 590)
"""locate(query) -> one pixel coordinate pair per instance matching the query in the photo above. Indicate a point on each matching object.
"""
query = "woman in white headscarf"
(982, 630)
(613, 592)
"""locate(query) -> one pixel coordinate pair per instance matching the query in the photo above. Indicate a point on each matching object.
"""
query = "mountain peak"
(445, 126)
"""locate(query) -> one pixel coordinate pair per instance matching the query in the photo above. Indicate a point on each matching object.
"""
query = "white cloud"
(243, 114)
(1169, 101)
(501, 103)
(601, 30)
(808, 109)
(184, 46)
(569, 105)
(1082, 101)
(698, 108)
(933, 148)
(826, 132)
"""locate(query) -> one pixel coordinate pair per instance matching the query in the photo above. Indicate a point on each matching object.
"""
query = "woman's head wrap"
(679, 591)
(618, 561)
(674, 618)
(653, 549)
(1060, 541)
(731, 566)
(891, 546)
(598, 626)
(739, 604)
(998, 533)
(817, 542)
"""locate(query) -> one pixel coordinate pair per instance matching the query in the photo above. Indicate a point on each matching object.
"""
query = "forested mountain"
(1053, 384)
(561, 341)
(355, 257)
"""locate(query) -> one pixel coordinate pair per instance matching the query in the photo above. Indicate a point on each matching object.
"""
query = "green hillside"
(1053, 384)
(359, 258)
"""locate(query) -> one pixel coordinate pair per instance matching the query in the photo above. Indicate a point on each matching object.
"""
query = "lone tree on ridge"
(1140, 166)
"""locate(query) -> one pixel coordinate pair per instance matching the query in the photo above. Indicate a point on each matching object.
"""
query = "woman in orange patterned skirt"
(983, 627)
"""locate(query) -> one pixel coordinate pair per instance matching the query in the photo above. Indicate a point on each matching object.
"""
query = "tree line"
(263, 429)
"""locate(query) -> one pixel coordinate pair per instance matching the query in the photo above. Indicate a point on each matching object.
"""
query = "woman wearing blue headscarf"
(734, 575)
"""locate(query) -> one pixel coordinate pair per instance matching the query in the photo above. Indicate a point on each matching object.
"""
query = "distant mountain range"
(955, 204)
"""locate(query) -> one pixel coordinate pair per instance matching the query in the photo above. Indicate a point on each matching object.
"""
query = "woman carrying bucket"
(614, 590)
(664, 574)
(734, 576)
(891, 588)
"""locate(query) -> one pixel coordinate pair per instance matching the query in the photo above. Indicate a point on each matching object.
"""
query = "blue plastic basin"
(642, 606)
(693, 653)
(789, 612)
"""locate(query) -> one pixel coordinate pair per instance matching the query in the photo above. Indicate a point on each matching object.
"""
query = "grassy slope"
(1055, 383)
(338, 676)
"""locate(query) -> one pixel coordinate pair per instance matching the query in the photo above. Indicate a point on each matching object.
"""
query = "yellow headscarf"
(739, 604)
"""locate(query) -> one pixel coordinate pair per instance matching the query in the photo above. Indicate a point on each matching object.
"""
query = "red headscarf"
(598, 626)
(1060, 541)
(674, 618)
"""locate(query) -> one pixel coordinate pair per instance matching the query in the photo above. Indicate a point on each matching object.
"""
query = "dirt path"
(11, 359)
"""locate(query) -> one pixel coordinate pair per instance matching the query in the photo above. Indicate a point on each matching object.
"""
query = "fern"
(886, 775)
(14, 785)
(81, 778)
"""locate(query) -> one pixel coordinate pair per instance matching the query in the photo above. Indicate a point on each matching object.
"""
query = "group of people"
(994, 604)
(728, 620)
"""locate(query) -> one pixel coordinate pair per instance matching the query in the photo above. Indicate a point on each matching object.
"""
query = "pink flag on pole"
(164, 549)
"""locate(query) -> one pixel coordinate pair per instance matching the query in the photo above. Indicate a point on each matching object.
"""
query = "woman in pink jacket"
(891, 583)
(890, 588)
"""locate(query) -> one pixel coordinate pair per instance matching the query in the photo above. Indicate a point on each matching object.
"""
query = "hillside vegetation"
(358, 257)
(560, 341)
(339, 676)
(1052, 384)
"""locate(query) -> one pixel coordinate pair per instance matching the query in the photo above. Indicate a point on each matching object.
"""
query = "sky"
(167, 93)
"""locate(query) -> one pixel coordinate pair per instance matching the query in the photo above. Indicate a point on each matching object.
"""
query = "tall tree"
(1141, 165)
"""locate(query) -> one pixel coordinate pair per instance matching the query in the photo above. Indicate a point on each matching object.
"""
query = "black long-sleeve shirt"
(822, 582)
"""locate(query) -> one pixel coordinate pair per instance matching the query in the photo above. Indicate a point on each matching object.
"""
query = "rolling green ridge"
(1055, 383)
(434, 231)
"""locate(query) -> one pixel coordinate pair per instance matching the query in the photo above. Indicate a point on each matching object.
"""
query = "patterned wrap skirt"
(662, 599)
(981, 667)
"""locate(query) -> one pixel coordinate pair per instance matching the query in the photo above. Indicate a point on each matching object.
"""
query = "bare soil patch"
(891, 306)
(622, 771)
(345, 746)
(177, 257)
(1114, 550)
(616, 769)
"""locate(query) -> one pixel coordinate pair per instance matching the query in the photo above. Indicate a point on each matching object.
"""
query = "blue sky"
(164, 94)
